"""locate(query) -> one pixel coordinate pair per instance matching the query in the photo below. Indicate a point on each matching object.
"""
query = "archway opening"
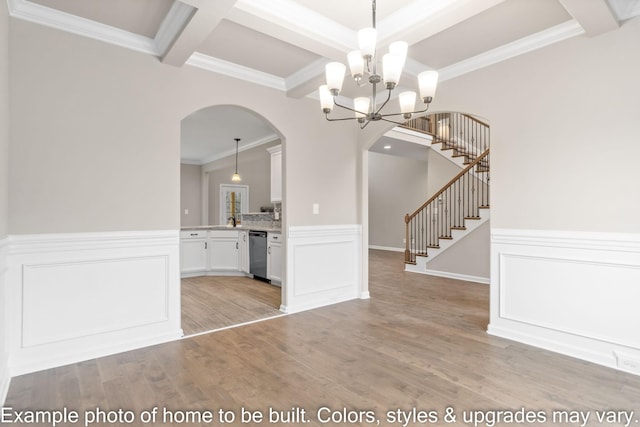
(228, 275)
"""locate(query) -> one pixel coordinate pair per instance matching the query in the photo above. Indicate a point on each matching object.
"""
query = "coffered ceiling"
(284, 44)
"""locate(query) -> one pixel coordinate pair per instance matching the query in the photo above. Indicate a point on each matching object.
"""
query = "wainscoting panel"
(572, 292)
(79, 296)
(324, 266)
(5, 376)
(51, 294)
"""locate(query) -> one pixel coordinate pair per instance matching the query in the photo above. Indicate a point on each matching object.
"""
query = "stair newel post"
(407, 252)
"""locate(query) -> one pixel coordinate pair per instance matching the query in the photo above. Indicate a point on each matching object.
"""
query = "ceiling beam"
(419, 21)
(594, 16)
(291, 23)
(206, 16)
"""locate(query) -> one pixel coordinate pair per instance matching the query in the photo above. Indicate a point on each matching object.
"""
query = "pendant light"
(236, 176)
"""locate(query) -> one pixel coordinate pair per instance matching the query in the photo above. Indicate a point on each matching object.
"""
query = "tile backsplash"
(262, 219)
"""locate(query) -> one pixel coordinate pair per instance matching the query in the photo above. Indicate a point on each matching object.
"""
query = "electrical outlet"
(316, 208)
(627, 362)
(186, 211)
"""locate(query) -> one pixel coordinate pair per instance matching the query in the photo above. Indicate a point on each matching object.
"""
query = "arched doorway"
(220, 287)
(403, 167)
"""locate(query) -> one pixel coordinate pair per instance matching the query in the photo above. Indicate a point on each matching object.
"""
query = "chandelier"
(363, 66)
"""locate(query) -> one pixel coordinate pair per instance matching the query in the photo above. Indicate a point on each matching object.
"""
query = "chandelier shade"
(363, 64)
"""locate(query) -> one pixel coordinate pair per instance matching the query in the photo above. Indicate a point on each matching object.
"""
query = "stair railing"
(462, 133)
(459, 200)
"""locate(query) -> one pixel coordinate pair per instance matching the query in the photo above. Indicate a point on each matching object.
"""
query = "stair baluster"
(463, 197)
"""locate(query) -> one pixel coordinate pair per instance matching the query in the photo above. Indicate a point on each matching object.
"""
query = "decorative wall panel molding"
(73, 297)
(575, 293)
(324, 266)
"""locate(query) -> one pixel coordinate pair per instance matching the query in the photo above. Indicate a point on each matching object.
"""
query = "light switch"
(186, 211)
(316, 208)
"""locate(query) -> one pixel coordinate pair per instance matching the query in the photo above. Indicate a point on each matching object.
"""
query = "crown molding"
(42, 15)
(307, 73)
(539, 40)
(231, 69)
(264, 140)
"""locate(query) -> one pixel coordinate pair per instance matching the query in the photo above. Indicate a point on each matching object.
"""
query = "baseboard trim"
(62, 359)
(386, 248)
(464, 277)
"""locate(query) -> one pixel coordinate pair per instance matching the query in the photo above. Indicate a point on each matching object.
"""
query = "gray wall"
(470, 256)
(564, 133)
(190, 195)
(441, 170)
(397, 186)
(104, 155)
(4, 119)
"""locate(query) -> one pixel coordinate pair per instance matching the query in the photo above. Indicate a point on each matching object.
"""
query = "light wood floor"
(214, 302)
(419, 342)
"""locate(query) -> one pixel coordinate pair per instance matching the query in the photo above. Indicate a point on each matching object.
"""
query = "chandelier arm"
(412, 112)
(383, 104)
(348, 108)
(326, 116)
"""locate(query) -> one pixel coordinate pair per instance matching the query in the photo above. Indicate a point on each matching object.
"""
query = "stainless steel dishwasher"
(258, 254)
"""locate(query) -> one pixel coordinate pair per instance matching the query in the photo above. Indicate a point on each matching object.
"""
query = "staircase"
(462, 204)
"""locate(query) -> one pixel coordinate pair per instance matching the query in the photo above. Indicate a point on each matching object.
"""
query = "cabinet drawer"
(193, 234)
(274, 237)
(227, 234)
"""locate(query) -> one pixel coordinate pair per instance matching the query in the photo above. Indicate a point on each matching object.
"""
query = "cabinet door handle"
(236, 245)
(269, 250)
(205, 245)
(194, 234)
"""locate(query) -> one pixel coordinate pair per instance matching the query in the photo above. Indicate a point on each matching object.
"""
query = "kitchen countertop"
(239, 228)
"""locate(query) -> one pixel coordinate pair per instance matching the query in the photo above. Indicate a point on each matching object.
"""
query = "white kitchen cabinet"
(224, 250)
(276, 173)
(243, 240)
(193, 251)
(274, 257)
